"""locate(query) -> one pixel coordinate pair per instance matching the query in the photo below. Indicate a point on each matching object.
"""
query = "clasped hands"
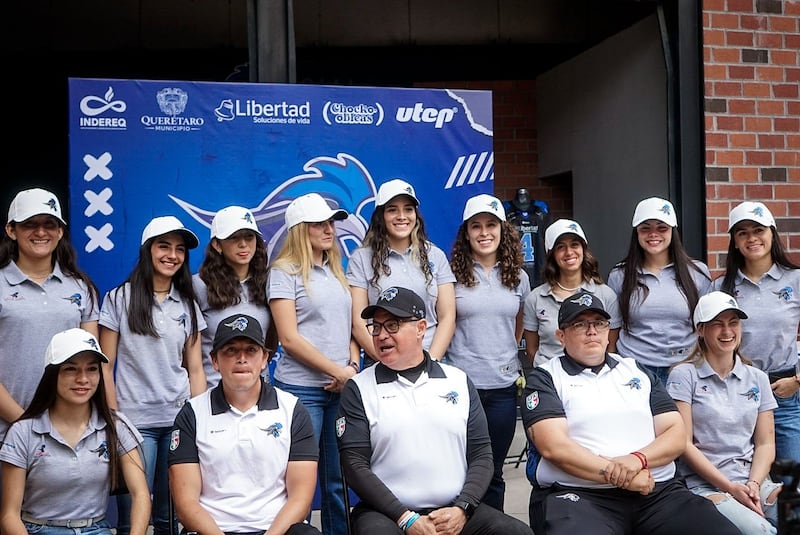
(626, 472)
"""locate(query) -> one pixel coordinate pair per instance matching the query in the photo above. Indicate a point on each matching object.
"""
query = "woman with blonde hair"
(311, 307)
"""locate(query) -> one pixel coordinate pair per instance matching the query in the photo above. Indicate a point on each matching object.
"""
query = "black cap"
(400, 302)
(238, 326)
(576, 304)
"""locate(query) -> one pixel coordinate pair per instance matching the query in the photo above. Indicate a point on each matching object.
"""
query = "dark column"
(270, 27)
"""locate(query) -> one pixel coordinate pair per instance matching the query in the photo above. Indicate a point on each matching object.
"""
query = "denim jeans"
(322, 406)
(500, 406)
(662, 372)
(747, 520)
(156, 449)
(787, 428)
(98, 528)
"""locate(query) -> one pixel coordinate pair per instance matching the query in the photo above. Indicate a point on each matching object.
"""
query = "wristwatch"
(467, 507)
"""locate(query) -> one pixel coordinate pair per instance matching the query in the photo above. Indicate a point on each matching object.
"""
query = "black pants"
(485, 521)
(671, 509)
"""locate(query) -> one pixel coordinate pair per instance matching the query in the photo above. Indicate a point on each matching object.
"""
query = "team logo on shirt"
(275, 429)
(704, 388)
(75, 299)
(181, 319)
(41, 451)
(239, 324)
(451, 397)
(175, 440)
(15, 297)
(785, 293)
(101, 450)
(542, 314)
(532, 400)
(634, 384)
(340, 425)
(753, 394)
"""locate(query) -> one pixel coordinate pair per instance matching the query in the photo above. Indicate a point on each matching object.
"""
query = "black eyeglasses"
(583, 326)
(391, 326)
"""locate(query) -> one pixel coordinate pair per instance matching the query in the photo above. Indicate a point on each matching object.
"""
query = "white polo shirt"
(243, 455)
(610, 412)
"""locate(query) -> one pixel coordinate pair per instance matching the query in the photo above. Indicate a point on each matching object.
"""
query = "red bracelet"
(642, 458)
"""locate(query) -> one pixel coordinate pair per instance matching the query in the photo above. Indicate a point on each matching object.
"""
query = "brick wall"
(752, 115)
(515, 146)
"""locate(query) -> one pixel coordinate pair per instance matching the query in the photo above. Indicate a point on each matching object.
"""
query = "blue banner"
(140, 149)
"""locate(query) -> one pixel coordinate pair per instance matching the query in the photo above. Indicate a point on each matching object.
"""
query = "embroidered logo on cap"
(239, 324)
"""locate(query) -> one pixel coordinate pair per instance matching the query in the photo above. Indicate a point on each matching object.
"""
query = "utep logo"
(359, 114)
(344, 182)
(785, 293)
(91, 106)
(340, 426)
(451, 397)
(101, 450)
(75, 299)
(665, 209)
(275, 429)
(634, 384)
(239, 324)
(753, 394)
(420, 114)
(388, 294)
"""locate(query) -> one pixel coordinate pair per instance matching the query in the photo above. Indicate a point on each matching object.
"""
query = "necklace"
(578, 287)
(167, 291)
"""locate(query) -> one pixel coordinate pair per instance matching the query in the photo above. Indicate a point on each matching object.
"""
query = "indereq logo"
(420, 114)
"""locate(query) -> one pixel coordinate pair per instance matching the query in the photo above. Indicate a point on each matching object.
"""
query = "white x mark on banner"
(97, 167)
(99, 238)
(98, 202)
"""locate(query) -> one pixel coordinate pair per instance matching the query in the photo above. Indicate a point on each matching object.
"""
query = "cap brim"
(103, 358)
(234, 336)
(600, 311)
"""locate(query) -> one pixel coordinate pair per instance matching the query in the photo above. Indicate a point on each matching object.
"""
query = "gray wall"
(603, 117)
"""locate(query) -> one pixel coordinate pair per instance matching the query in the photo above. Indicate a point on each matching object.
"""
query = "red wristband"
(642, 458)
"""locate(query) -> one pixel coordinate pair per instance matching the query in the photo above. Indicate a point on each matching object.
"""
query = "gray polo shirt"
(30, 314)
(405, 273)
(724, 413)
(62, 483)
(541, 316)
(769, 336)
(213, 316)
(484, 343)
(660, 327)
(323, 318)
(151, 382)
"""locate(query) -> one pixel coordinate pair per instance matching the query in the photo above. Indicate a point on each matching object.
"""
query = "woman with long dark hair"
(657, 285)
(569, 268)
(232, 278)
(150, 329)
(396, 252)
(42, 285)
(765, 282)
(491, 287)
(69, 449)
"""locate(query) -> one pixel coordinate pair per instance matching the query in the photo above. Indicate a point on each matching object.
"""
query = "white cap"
(484, 204)
(31, 202)
(311, 208)
(66, 344)
(158, 226)
(391, 189)
(712, 305)
(751, 211)
(558, 229)
(655, 208)
(232, 219)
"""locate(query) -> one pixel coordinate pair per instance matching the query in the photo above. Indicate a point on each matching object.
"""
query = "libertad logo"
(172, 103)
(91, 106)
(420, 114)
(264, 112)
(339, 113)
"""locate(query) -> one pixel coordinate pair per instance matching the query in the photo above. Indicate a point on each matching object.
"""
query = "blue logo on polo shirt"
(753, 394)
(15, 297)
(75, 299)
(785, 293)
(102, 450)
(275, 429)
(181, 319)
(451, 397)
(634, 384)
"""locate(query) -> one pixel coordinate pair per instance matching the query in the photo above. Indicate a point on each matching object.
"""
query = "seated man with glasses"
(413, 437)
(605, 434)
